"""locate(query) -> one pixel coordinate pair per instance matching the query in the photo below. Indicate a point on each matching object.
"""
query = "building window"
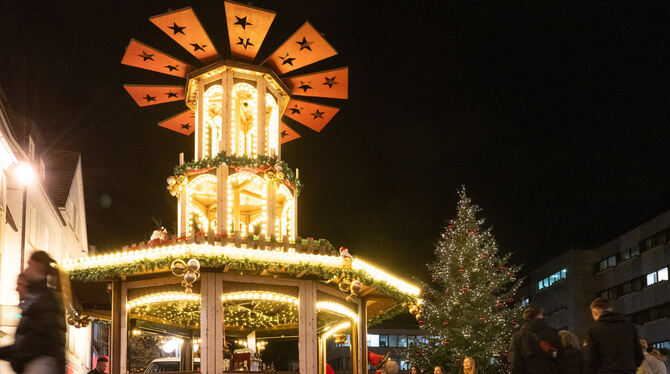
(402, 340)
(383, 340)
(630, 252)
(553, 278)
(657, 276)
(393, 340)
(607, 263)
(373, 340)
(651, 278)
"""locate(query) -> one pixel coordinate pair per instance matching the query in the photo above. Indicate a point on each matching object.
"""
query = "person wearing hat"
(39, 344)
(382, 363)
(536, 348)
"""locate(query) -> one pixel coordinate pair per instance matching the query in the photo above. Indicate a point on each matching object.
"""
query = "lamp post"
(25, 175)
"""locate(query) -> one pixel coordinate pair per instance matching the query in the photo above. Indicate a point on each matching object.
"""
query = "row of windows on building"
(651, 314)
(550, 280)
(375, 340)
(662, 237)
(636, 284)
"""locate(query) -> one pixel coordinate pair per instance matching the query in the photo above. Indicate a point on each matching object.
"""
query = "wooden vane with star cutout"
(305, 47)
(142, 56)
(315, 116)
(247, 28)
(333, 84)
(183, 123)
(145, 95)
(184, 27)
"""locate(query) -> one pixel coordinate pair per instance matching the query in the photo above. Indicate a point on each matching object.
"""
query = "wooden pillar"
(222, 199)
(236, 210)
(225, 111)
(362, 326)
(295, 207)
(182, 211)
(211, 324)
(115, 333)
(199, 121)
(261, 122)
(124, 328)
(228, 115)
(307, 343)
(271, 209)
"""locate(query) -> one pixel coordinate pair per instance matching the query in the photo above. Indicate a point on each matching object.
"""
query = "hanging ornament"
(190, 271)
(344, 284)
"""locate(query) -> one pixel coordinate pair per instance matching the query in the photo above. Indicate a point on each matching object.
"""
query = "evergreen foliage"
(469, 307)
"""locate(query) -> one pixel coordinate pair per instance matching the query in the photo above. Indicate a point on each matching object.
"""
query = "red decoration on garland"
(445, 342)
(445, 323)
(482, 318)
(461, 270)
(484, 256)
(464, 289)
(510, 298)
(502, 268)
(499, 303)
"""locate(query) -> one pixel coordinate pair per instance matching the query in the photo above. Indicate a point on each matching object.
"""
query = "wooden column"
(222, 199)
(211, 324)
(362, 325)
(115, 333)
(271, 209)
(199, 121)
(261, 122)
(124, 328)
(307, 343)
(295, 207)
(182, 211)
(227, 88)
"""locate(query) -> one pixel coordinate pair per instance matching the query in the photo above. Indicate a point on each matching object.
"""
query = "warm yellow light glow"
(24, 173)
(336, 308)
(162, 297)
(237, 253)
(259, 295)
(335, 329)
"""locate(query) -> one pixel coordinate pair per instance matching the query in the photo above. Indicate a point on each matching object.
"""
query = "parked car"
(159, 365)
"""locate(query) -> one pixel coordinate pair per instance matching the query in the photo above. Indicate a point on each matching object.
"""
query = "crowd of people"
(611, 346)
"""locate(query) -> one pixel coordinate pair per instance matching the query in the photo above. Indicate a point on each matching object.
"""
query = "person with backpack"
(611, 343)
(536, 348)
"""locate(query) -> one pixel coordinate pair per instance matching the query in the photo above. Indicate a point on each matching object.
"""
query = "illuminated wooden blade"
(145, 95)
(315, 116)
(183, 123)
(142, 56)
(332, 83)
(287, 134)
(304, 47)
(184, 27)
(247, 27)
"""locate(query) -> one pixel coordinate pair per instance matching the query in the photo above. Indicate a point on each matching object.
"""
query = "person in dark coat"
(573, 362)
(612, 345)
(39, 344)
(536, 347)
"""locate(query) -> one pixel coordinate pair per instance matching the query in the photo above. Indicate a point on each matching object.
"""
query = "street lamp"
(25, 176)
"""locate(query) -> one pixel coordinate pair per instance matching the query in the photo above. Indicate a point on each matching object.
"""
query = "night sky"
(553, 115)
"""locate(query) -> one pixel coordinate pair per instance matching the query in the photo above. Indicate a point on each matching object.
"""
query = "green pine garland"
(239, 161)
(218, 263)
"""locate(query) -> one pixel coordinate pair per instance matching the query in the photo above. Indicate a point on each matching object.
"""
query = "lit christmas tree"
(469, 307)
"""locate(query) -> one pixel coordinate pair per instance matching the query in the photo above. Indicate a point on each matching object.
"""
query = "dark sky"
(554, 115)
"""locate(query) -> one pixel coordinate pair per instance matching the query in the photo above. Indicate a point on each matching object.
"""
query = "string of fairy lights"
(247, 309)
(203, 251)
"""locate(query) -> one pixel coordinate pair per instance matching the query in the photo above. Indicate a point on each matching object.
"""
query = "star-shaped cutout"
(330, 82)
(149, 98)
(317, 114)
(198, 47)
(284, 134)
(304, 44)
(287, 60)
(243, 43)
(171, 94)
(305, 86)
(172, 67)
(177, 29)
(186, 126)
(242, 22)
(146, 56)
(295, 109)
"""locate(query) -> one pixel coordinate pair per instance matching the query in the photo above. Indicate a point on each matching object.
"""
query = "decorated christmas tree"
(469, 307)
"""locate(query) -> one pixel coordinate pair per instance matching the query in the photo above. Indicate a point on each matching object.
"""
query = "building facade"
(46, 214)
(631, 269)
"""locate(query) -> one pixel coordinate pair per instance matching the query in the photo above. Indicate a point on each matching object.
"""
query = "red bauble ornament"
(484, 256)
(450, 226)
(445, 323)
(445, 342)
(461, 270)
(502, 268)
(464, 289)
(499, 304)
(510, 298)
(482, 318)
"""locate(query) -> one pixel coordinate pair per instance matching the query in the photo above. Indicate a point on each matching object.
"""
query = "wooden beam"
(299, 275)
(115, 333)
(368, 291)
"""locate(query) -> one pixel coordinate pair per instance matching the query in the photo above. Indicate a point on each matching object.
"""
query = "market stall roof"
(329, 269)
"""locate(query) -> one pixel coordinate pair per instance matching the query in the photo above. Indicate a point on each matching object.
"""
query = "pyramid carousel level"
(236, 289)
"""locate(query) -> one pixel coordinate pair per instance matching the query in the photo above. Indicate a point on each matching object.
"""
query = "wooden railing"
(300, 245)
